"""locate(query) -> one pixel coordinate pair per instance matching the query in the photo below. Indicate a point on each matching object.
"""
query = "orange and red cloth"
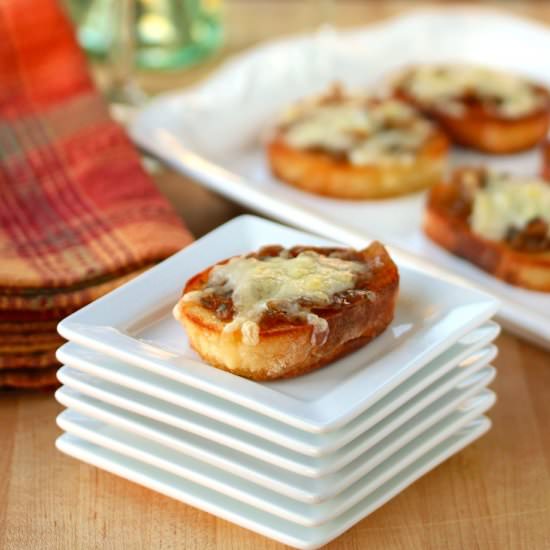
(78, 214)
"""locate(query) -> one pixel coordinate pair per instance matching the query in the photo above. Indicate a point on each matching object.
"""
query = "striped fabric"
(78, 214)
(27, 327)
(29, 379)
(46, 299)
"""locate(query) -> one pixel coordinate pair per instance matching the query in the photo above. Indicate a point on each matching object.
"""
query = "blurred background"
(139, 48)
(178, 41)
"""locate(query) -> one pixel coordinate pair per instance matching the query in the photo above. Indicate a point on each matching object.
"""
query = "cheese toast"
(356, 147)
(280, 313)
(498, 222)
(483, 109)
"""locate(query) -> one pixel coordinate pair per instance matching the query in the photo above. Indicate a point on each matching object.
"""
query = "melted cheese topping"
(279, 281)
(445, 86)
(387, 132)
(507, 202)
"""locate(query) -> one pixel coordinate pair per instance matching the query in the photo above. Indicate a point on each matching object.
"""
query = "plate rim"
(72, 447)
(312, 466)
(480, 353)
(448, 425)
(477, 383)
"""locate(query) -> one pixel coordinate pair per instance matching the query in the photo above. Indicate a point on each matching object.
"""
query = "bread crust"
(479, 129)
(525, 269)
(285, 350)
(325, 174)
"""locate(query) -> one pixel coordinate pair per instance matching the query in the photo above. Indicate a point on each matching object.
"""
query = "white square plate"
(241, 100)
(268, 450)
(445, 370)
(309, 515)
(269, 475)
(250, 517)
(134, 324)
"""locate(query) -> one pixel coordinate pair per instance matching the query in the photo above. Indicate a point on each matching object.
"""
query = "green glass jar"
(167, 33)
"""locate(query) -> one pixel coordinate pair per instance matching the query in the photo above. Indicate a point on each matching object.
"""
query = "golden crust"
(479, 129)
(524, 269)
(286, 350)
(324, 174)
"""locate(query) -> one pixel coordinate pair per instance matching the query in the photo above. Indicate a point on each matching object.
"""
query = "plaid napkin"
(29, 378)
(78, 214)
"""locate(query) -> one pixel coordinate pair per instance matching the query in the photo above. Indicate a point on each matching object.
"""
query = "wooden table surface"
(493, 495)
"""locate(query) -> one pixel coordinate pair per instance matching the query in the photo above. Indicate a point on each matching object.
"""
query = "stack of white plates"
(298, 460)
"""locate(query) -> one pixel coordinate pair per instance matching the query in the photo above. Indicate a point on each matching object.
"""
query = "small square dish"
(372, 448)
(272, 451)
(249, 517)
(134, 324)
(389, 459)
(426, 385)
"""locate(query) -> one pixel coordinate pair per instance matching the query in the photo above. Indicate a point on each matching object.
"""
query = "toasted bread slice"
(326, 174)
(475, 128)
(514, 260)
(288, 345)
(479, 124)
(356, 147)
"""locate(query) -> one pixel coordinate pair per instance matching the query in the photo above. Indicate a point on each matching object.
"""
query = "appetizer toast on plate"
(484, 109)
(478, 87)
(500, 223)
(356, 147)
(279, 313)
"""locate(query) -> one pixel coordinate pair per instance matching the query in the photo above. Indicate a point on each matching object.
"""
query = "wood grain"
(493, 495)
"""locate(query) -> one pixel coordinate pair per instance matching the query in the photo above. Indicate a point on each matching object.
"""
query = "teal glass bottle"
(167, 33)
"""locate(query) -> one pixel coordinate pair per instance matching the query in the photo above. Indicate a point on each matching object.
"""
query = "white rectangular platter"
(247, 516)
(134, 324)
(214, 131)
